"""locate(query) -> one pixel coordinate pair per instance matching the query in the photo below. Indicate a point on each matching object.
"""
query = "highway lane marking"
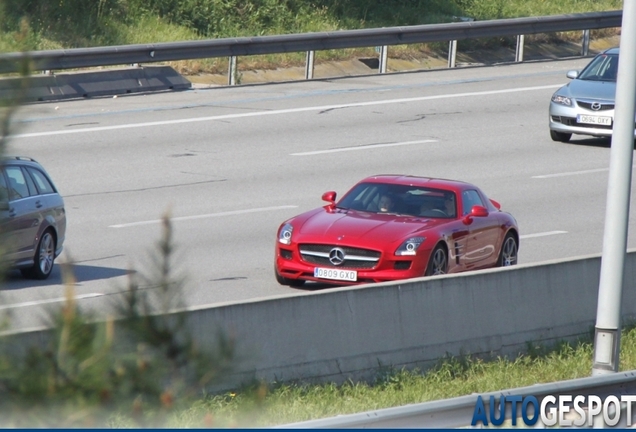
(301, 95)
(542, 234)
(205, 216)
(283, 111)
(362, 147)
(571, 173)
(53, 300)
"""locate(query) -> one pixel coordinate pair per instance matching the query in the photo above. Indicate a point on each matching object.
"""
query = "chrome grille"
(355, 258)
(603, 107)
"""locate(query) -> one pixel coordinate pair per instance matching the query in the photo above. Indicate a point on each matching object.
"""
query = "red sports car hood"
(351, 226)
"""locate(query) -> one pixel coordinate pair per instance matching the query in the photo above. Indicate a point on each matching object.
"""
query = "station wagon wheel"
(438, 262)
(44, 258)
(509, 252)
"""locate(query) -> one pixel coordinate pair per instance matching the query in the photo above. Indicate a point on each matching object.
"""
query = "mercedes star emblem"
(336, 256)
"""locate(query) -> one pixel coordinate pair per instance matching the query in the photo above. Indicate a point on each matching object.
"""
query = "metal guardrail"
(458, 412)
(309, 42)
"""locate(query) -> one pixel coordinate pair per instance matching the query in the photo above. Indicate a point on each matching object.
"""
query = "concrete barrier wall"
(108, 82)
(341, 333)
(337, 334)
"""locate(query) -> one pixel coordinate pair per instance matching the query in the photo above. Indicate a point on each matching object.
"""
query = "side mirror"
(479, 211)
(572, 74)
(496, 204)
(330, 197)
(476, 211)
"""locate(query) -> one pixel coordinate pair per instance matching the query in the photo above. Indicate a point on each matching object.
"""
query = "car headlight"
(561, 100)
(409, 247)
(285, 234)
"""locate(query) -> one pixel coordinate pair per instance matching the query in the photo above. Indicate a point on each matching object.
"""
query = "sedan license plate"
(336, 274)
(597, 120)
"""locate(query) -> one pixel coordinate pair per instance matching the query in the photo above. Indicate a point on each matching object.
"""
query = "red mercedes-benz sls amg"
(390, 227)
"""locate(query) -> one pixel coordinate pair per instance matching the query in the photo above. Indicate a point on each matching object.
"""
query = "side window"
(43, 183)
(4, 190)
(29, 181)
(470, 198)
(17, 183)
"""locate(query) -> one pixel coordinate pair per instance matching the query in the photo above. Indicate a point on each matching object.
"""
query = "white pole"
(608, 313)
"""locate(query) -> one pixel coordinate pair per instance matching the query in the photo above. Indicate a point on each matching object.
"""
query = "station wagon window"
(470, 198)
(18, 187)
(43, 183)
(29, 181)
(4, 190)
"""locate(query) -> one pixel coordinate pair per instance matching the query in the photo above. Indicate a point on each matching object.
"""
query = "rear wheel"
(509, 251)
(287, 281)
(560, 136)
(438, 262)
(44, 258)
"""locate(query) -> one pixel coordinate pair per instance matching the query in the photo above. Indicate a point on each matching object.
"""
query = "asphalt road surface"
(230, 164)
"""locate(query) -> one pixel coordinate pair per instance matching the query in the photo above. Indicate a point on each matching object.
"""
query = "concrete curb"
(108, 82)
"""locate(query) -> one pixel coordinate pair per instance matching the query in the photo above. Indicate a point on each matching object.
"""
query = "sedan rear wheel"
(509, 252)
(560, 136)
(438, 262)
(44, 258)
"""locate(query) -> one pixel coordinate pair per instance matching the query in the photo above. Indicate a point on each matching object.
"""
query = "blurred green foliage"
(81, 23)
(137, 367)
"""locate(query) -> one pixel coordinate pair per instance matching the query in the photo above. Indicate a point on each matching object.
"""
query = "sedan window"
(601, 68)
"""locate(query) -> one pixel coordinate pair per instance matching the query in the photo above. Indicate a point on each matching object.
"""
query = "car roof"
(18, 160)
(611, 51)
(412, 180)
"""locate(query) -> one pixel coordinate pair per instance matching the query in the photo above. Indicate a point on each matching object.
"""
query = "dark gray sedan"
(32, 218)
(585, 105)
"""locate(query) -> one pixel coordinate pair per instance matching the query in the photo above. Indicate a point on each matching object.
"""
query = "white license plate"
(590, 119)
(336, 274)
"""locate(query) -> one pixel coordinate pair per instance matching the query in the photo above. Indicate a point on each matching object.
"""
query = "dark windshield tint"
(602, 68)
(400, 199)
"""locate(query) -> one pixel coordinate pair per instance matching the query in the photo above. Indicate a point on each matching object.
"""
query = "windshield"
(401, 200)
(603, 68)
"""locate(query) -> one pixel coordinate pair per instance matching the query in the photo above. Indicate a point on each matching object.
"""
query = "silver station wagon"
(32, 218)
(585, 105)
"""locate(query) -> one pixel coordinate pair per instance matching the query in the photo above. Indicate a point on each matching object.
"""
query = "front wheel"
(44, 258)
(509, 251)
(560, 136)
(438, 262)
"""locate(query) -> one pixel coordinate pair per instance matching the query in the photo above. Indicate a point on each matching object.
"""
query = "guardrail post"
(231, 78)
(384, 55)
(519, 51)
(452, 53)
(585, 45)
(309, 65)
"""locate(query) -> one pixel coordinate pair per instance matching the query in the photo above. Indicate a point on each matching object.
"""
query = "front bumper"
(290, 265)
(563, 119)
